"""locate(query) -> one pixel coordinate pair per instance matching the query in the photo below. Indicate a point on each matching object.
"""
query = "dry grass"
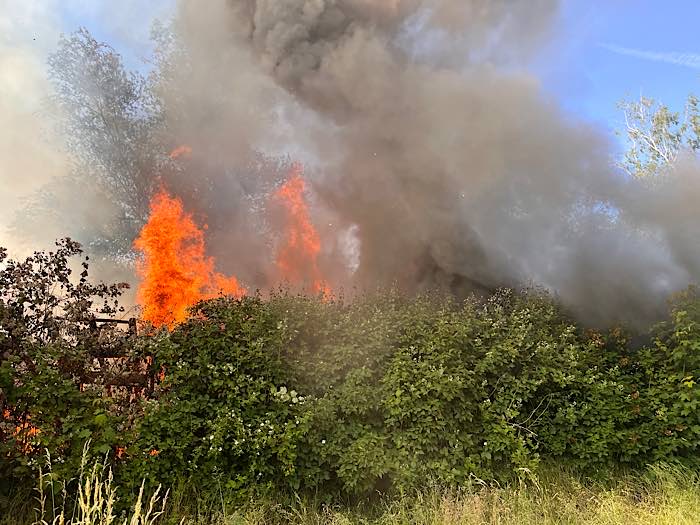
(94, 501)
(664, 496)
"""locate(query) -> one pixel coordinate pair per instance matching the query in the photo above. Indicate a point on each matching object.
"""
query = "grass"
(663, 495)
(92, 503)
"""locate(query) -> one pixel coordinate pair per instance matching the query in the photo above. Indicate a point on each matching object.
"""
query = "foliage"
(340, 398)
(47, 333)
(110, 118)
(391, 391)
(631, 405)
(657, 135)
(224, 414)
(111, 124)
(443, 395)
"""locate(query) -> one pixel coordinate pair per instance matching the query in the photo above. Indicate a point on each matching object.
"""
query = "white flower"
(323, 442)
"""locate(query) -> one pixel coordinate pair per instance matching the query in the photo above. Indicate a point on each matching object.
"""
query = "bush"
(223, 414)
(343, 398)
(632, 405)
(46, 338)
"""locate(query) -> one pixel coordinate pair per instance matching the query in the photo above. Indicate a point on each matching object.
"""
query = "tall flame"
(297, 254)
(174, 269)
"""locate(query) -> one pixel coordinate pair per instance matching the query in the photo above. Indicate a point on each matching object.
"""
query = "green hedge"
(388, 392)
(383, 392)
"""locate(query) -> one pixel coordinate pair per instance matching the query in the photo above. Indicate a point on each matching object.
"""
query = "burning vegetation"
(297, 253)
(176, 272)
(444, 167)
(420, 120)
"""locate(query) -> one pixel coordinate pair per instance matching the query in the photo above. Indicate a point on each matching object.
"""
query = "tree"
(658, 135)
(110, 119)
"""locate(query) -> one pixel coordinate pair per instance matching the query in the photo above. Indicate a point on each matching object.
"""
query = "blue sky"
(589, 79)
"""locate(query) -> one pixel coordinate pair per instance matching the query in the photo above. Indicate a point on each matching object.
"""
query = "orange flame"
(24, 431)
(297, 255)
(175, 271)
(180, 151)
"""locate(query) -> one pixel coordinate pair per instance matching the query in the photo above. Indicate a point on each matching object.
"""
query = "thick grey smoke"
(436, 158)
(448, 159)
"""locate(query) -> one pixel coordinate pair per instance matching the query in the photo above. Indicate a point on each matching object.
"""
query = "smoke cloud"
(446, 158)
(29, 155)
(436, 158)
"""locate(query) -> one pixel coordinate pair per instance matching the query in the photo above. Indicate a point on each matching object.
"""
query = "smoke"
(29, 155)
(442, 154)
(436, 158)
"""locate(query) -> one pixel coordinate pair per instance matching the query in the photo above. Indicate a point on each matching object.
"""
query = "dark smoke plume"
(436, 159)
(450, 162)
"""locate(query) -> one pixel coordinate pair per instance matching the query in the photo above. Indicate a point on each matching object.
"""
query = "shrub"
(224, 413)
(347, 398)
(46, 338)
(633, 405)
(340, 398)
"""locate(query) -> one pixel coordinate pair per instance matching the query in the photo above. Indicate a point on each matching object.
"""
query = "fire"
(181, 151)
(175, 271)
(297, 255)
(24, 431)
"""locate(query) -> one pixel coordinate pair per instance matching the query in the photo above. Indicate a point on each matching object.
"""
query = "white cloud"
(691, 60)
